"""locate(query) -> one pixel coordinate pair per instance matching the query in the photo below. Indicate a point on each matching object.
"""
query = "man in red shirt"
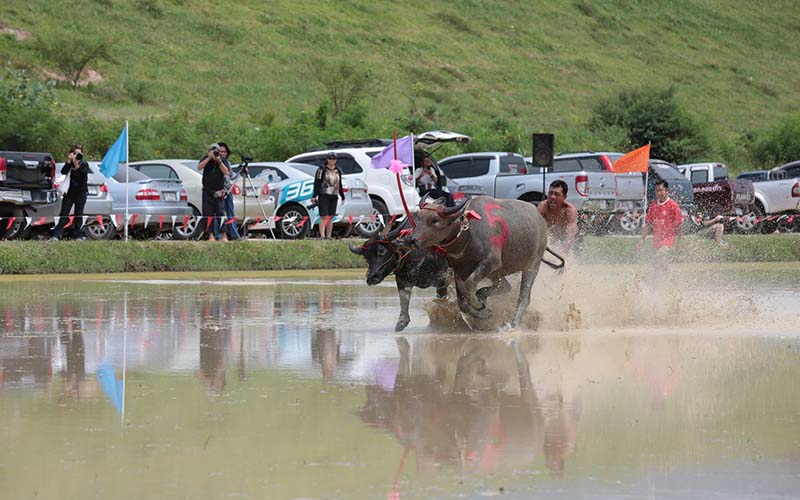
(560, 215)
(664, 216)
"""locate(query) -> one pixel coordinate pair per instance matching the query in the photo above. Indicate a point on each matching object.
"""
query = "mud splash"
(610, 297)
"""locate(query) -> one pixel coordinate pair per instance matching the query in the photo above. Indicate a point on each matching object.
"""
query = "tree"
(652, 115)
(72, 52)
(344, 83)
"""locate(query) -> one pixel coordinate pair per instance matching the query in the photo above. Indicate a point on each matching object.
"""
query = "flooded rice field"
(675, 383)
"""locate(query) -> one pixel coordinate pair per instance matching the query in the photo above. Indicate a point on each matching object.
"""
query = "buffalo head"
(437, 223)
(381, 255)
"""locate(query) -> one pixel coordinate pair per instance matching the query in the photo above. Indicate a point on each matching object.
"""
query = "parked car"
(715, 194)
(754, 176)
(26, 184)
(354, 157)
(606, 197)
(147, 197)
(357, 206)
(293, 190)
(778, 195)
(247, 205)
(99, 202)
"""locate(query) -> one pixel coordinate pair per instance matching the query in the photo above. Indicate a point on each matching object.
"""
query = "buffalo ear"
(356, 250)
(473, 215)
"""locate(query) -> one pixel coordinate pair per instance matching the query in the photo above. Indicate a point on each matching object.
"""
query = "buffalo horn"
(355, 250)
(456, 209)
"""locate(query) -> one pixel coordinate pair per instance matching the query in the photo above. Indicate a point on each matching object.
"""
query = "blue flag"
(118, 153)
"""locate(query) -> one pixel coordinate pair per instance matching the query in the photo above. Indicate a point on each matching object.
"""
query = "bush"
(654, 116)
(26, 104)
(779, 145)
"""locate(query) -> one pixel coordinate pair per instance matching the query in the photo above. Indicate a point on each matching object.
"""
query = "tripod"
(246, 178)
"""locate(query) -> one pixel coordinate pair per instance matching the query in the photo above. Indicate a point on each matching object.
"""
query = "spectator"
(425, 177)
(232, 232)
(560, 215)
(711, 227)
(430, 181)
(78, 171)
(214, 172)
(327, 184)
(664, 216)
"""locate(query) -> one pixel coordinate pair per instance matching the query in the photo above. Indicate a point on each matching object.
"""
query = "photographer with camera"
(233, 232)
(214, 172)
(78, 171)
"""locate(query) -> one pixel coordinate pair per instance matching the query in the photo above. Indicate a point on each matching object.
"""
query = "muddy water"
(639, 383)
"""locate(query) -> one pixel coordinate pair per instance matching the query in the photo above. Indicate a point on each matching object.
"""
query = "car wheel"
(746, 223)
(630, 222)
(17, 231)
(294, 223)
(764, 227)
(372, 226)
(193, 230)
(93, 231)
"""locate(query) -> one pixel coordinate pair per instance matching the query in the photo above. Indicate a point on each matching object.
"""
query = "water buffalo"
(485, 238)
(421, 268)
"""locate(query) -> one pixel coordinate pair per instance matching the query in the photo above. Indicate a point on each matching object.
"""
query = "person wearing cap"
(214, 172)
(327, 185)
(230, 214)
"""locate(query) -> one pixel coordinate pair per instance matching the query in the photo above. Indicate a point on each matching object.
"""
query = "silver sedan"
(293, 185)
(152, 203)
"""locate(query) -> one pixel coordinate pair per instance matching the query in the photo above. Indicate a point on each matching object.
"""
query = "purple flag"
(405, 153)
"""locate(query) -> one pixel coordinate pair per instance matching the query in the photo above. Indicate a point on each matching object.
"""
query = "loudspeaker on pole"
(543, 145)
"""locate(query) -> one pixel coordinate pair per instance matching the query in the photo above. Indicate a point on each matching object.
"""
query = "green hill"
(253, 70)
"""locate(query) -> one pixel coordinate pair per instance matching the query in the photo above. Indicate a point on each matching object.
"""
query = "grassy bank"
(65, 257)
(56, 257)
(491, 69)
(740, 248)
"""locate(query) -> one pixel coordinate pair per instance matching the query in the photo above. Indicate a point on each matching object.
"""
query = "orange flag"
(635, 161)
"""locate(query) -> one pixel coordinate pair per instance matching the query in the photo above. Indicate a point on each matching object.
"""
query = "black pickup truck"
(26, 182)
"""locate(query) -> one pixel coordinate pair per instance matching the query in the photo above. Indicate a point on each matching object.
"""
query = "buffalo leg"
(498, 286)
(484, 269)
(441, 289)
(404, 290)
(528, 277)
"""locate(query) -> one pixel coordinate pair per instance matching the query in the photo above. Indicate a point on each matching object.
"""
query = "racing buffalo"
(485, 238)
(421, 268)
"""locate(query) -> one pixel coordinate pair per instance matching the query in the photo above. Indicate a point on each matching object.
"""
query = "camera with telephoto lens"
(79, 156)
(215, 152)
(246, 158)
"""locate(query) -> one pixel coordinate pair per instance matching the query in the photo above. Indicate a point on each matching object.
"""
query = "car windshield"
(191, 164)
(665, 171)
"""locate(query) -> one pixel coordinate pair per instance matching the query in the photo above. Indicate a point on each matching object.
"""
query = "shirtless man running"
(561, 216)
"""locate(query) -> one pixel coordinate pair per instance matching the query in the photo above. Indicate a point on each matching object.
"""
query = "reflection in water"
(323, 400)
(75, 374)
(471, 403)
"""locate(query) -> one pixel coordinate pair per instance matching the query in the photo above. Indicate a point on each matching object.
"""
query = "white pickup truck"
(590, 182)
(778, 195)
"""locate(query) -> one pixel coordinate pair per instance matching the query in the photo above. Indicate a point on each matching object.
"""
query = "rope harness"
(464, 223)
(401, 257)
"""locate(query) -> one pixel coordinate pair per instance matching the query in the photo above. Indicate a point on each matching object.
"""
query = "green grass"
(85, 257)
(539, 65)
